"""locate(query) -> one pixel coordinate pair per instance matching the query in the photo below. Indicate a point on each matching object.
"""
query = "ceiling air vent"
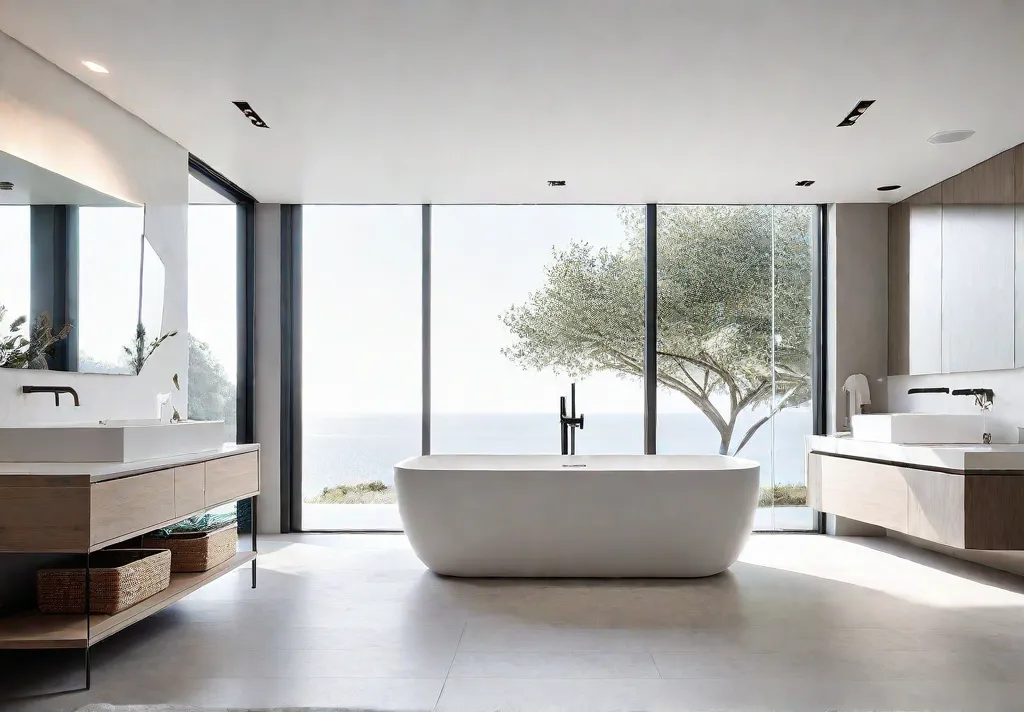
(251, 114)
(804, 183)
(857, 112)
(6, 185)
(887, 188)
(556, 183)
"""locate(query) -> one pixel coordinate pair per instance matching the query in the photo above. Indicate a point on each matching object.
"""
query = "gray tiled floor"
(801, 623)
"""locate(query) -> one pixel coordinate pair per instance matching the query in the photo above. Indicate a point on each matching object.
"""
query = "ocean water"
(359, 448)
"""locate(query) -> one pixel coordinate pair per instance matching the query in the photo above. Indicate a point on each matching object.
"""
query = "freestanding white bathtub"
(585, 516)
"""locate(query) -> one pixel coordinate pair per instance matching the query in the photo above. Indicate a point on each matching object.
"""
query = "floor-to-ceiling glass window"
(526, 299)
(213, 314)
(361, 370)
(734, 343)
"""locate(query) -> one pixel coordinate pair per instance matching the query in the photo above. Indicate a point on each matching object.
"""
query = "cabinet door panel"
(978, 246)
(865, 491)
(925, 317)
(131, 505)
(230, 478)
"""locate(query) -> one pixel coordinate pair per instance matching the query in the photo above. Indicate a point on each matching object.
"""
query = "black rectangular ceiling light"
(251, 114)
(857, 112)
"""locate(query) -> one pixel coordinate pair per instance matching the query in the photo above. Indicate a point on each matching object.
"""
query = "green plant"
(18, 350)
(375, 492)
(783, 496)
(138, 352)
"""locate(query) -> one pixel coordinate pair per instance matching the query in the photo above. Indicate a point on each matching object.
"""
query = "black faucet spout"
(55, 390)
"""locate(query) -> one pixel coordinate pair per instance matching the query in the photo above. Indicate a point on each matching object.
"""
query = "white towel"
(860, 394)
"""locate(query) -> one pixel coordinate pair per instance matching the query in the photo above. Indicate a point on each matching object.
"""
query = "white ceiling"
(37, 186)
(404, 101)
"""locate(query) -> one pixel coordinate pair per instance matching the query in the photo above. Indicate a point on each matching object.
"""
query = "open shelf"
(34, 630)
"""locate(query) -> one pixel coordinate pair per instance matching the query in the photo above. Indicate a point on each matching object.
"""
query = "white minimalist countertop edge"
(965, 458)
(100, 471)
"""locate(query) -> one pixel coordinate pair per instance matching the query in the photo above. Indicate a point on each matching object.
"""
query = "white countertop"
(962, 458)
(100, 471)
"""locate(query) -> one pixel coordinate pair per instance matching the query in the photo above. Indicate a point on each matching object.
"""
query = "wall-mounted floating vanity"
(75, 508)
(962, 496)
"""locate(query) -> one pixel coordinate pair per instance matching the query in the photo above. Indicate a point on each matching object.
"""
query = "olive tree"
(733, 330)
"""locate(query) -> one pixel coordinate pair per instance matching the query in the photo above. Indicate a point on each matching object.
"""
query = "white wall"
(51, 119)
(268, 364)
(857, 289)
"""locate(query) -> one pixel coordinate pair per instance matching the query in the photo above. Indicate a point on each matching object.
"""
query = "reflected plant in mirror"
(20, 351)
(138, 352)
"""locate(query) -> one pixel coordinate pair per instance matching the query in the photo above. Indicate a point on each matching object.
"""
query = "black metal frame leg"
(252, 518)
(88, 621)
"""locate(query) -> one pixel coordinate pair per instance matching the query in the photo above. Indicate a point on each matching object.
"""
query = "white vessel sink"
(108, 441)
(919, 428)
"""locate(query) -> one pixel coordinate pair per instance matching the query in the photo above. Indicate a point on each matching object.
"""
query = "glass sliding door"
(734, 321)
(525, 300)
(361, 370)
(792, 397)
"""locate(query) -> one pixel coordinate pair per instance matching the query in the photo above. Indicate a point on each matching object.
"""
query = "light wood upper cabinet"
(956, 272)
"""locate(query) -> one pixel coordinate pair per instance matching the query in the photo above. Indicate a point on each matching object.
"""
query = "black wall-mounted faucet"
(987, 393)
(55, 390)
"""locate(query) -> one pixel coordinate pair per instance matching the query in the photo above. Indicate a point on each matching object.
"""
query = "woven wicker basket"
(195, 552)
(118, 579)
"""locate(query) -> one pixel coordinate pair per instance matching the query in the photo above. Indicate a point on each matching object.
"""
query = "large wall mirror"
(81, 288)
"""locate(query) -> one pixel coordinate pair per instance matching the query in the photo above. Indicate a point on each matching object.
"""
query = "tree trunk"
(726, 438)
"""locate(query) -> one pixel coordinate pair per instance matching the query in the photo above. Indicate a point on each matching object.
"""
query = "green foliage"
(375, 492)
(211, 395)
(783, 496)
(138, 352)
(718, 315)
(18, 350)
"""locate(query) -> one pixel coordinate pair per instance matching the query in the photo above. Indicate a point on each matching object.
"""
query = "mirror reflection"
(81, 287)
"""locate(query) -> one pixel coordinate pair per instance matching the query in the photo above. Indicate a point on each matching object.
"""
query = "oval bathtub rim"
(409, 464)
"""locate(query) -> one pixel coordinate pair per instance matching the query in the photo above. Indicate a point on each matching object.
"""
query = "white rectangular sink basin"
(110, 441)
(919, 428)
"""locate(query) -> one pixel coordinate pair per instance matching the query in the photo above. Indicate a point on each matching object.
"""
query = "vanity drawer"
(189, 489)
(131, 505)
(231, 478)
(865, 491)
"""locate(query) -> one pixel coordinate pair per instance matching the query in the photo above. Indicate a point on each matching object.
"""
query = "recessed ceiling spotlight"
(556, 183)
(804, 183)
(954, 136)
(6, 185)
(857, 112)
(250, 113)
(98, 68)
(887, 188)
